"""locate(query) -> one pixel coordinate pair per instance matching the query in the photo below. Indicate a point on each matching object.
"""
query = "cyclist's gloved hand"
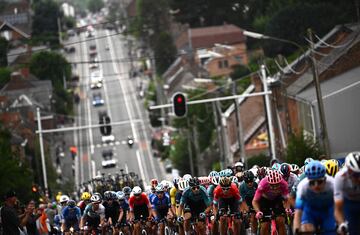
(343, 228)
(259, 215)
(202, 215)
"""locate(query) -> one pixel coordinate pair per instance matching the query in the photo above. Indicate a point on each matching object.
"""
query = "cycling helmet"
(127, 190)
(276, 166)
(294, 168)
(261, 173)
(213, 173)
(215, 180)
(153, 182)
(64, 198)
(315, 170)
(352, 161)
(239, 166)
(204, 180)
(159, 188)
(273, 177)
(85, 196)
(225, 181)
(285, 169)
(248, 176)
(187, 177)
(71, 203)
(96, 198)
(222, 173)
(323, 161)
(193, 182)
(183, 184)
(137, 191)
(234, 179)
(176, 181)
(120, 195)
(239, 176)
(331, 167)
(108, 195)
(308, 160)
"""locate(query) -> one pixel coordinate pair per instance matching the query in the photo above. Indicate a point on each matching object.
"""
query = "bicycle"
(142, 226)
(272, 217)
(229, 219)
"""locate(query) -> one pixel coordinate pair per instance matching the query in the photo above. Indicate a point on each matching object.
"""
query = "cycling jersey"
(161, 205)
(134, 202)
(82, 206)
(71, 213)
(233, 192)
(265, 190)
(210, 191)
(173, 191)
(291, 181)
(188, 195)
(345, 189)
(91, 213)
(112, 210)
(248, 193)
(318, 208)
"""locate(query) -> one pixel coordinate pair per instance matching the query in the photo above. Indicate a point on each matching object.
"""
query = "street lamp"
(324, 135)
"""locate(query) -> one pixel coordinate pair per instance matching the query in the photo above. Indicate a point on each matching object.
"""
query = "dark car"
(97, 100)
(107, 154)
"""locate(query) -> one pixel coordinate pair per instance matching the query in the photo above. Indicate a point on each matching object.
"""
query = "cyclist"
(196, 199)
(112, 208)
(63, 203)
(127, 191)
(71, 215)
(239, 167)
(161, 205)
(288, 176)
(261, 173)
(227, 197)
(123, 211)
(172, 193)
(247, 191)
(94, 215)
(85, 200)
(140, 208)
(215, 181)
(314, 206)
(270, 198)
(332, 167)
(347, 195)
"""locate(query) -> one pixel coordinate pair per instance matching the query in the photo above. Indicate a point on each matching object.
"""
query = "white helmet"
(183, 184)
(96, 198)
(187, 177)
(137, 190)
(64, 198)
(352, 161)
(240, 164)
(215, 180)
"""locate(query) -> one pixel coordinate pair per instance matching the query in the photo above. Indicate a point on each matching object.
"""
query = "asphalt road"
(121, 104)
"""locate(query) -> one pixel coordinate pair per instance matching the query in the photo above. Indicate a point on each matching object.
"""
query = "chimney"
(16, 76)
(25, 72)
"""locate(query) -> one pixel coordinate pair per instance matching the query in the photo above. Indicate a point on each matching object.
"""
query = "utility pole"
(240, 135)
(42, 149)
(323, 134)
(218, 131)
(192, 170)
(268, 112)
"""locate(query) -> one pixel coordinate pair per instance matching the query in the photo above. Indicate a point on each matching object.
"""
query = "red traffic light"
(179, 104)
(34, 189)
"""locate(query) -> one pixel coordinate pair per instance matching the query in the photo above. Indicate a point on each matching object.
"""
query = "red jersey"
(143, 200)
(233, 192)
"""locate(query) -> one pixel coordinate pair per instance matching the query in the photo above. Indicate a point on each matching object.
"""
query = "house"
(17, 14)
(253, 123)
(12, 33)
(295, 104)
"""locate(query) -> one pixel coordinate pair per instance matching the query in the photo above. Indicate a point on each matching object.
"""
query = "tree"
(164, 55)
(3, 52)
(44, 25)
(5, 74)
(95, 5)
(14, 174)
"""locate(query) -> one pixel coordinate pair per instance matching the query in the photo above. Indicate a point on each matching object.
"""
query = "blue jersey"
(202, 195)
(161, 204)
(305, 196)
(151, 196)
(71, 213)
(124, 205)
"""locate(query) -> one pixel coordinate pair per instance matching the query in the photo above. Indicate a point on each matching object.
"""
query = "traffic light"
(34, 189)
(105, 127)
(179, 104)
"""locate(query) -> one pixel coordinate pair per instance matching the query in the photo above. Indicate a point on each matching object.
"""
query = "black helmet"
(71, 203)
(127, 190)
(194, 182)
(248, 176)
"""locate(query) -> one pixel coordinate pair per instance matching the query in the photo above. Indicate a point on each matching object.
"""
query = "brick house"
(12, 33)
(294, 98)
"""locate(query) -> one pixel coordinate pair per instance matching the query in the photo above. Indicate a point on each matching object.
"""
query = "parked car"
(96, 80)
(107, 138)
(109, 163)
(94, 63)
(97, 100)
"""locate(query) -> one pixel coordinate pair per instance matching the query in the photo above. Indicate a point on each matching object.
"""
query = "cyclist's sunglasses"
(195, 188)
(159, 192)
(249, 181)
(225, 188)
(274, 186)
(137, 195)
(317, 182)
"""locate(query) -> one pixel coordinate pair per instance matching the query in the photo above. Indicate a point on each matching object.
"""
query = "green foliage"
(14, 175)
(216, 166)
(260, 160)
(179, 154)
(301, 147)
(69, 22)
(44, 25)
(239, 71)
(95, 5)
(3, 52)
(164, 55)
(5, 74)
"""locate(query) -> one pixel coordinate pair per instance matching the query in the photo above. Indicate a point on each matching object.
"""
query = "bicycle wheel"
(167, 230)
(143, 232)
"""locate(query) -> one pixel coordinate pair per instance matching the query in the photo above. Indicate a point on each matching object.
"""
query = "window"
(226, 64)
(220, 65)
(305, 117)
(223, 64)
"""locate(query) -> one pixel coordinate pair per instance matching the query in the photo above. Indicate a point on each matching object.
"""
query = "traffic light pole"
(42, 149)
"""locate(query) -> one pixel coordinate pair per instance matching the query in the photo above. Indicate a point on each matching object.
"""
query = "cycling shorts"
(141, 212)
(93, 222)
(196, 207)
(352, 210)
(162, 213)
(268, 206)
(320, 218)
(72, 223)
(229, 203)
